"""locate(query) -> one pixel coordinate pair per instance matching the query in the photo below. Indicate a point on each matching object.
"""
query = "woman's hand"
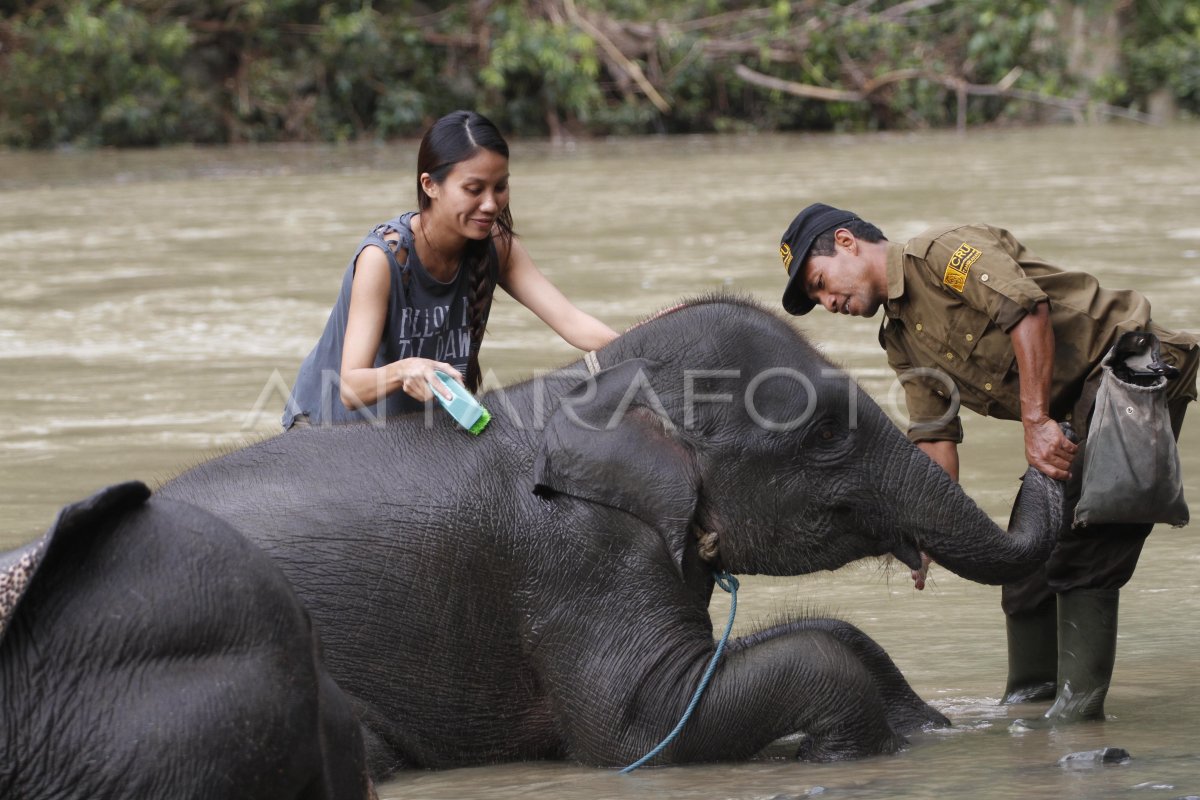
(415, 375)
(363, 384)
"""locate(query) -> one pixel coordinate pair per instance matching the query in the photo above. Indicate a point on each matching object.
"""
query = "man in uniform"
(973, 318)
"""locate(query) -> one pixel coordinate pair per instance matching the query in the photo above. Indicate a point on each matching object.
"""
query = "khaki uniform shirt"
(954, 295)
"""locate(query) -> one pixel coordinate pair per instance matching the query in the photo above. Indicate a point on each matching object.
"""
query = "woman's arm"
(362, 383)
(521, 278)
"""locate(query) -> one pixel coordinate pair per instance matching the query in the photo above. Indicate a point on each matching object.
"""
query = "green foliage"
(145, 72)
(100, 73)
(535, 65)
(1162, 53)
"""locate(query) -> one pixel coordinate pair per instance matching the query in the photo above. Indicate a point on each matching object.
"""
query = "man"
(973, 318)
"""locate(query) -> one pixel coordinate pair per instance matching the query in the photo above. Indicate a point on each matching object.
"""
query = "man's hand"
(1048, 450)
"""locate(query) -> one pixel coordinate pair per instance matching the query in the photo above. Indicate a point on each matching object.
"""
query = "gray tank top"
(426, 319)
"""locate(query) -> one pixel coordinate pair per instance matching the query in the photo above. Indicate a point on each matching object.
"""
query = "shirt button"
(949, 356)
(920, 327)
(983, 277)
(970, 338)
(987, 386)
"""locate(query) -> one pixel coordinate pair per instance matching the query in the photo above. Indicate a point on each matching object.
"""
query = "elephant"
(147, 649)
(541, 590)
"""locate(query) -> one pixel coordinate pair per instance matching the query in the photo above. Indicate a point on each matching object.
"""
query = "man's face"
(843, 282)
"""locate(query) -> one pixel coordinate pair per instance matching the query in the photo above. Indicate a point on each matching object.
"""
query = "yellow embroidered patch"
(785, 253)
(954, 279)
(959, 265)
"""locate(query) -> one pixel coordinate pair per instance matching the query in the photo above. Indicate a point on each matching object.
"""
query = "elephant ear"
(610, 441)
(19, 567)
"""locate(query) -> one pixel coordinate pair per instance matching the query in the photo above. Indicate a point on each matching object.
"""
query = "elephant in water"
(148, 650)
(541, 591)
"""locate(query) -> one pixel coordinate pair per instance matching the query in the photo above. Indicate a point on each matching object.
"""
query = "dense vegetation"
(148, 72)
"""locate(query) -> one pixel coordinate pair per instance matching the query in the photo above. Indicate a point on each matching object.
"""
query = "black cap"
(797, 241)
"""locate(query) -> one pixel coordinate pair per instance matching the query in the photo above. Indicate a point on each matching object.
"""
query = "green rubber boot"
(1032, 655)
(1087, 651)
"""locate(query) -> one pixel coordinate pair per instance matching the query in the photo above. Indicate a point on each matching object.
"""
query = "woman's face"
(472, 196)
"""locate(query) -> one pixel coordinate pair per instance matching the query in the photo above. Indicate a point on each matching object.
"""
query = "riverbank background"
(158, 72)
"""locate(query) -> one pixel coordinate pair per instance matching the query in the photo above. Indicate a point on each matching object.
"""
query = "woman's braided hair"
(456, 137)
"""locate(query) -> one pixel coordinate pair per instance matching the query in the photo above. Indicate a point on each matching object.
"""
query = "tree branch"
(959, 85)
(901, 10)
(798, 89)
(630, 67)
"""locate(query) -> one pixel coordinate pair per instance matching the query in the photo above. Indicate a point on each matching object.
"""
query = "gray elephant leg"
(826, 691)
(905, 710)
(622, 672)
(774, 684)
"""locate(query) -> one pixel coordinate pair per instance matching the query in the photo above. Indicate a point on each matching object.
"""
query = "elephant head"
(718, 420)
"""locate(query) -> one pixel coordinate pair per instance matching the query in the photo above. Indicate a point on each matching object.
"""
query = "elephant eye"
(827, 431)
(826, 439)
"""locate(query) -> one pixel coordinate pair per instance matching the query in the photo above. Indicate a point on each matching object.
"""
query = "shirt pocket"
(979, 341)
(951, 335)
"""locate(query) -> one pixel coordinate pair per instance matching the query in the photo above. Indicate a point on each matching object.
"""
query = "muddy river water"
(154, 306)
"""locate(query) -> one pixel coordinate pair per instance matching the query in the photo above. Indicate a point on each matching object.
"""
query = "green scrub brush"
(465, 409)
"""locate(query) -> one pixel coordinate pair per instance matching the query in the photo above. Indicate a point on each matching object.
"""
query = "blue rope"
(729, 584)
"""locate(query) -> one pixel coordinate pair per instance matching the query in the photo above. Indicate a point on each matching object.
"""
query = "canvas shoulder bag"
(1131, 470)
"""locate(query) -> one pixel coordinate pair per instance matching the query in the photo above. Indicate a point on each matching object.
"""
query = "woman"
(416, 295)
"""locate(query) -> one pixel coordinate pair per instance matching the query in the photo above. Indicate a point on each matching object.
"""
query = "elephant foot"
(917, 716)
(834, 747)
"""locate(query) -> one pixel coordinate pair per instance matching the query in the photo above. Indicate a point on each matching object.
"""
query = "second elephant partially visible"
(147, 650)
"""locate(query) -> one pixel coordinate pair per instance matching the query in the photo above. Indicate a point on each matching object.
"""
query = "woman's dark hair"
(823, 245)
(456, 137)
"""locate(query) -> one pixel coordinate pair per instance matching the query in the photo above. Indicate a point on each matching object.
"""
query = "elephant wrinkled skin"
(539, 591)
(147, 650)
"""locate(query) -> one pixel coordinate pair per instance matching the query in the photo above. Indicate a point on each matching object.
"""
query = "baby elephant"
(148, 650)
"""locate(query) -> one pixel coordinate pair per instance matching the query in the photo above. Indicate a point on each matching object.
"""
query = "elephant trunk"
(959, 536)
